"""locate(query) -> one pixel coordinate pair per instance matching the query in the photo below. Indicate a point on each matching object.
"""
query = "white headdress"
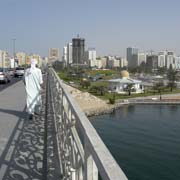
(33, 64)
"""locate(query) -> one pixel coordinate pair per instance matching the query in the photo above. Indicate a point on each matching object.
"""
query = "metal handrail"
(82, 157)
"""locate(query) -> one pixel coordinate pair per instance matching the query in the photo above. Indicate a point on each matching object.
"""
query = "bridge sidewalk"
(21, 140)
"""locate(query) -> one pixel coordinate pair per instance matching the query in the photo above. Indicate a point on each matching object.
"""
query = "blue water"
(144, 140)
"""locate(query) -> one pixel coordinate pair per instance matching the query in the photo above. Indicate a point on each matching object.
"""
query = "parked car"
(4, 75)
(11, 72)
(19, 71)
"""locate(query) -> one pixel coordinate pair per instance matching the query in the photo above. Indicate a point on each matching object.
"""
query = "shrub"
(85, 83)
(112, 100)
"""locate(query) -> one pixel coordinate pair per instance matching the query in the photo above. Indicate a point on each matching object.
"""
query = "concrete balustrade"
(82, 153)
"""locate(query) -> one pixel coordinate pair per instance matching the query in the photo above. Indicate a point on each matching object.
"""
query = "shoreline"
(98, 112)
(94, 106)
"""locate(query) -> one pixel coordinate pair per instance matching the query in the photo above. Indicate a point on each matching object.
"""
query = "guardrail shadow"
(23, 155)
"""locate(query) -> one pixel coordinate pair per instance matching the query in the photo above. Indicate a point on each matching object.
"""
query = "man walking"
(33, 81)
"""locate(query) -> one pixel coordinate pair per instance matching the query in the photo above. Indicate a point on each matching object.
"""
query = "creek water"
(144, 140)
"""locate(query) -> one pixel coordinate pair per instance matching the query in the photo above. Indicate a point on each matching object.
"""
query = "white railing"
(82, 154)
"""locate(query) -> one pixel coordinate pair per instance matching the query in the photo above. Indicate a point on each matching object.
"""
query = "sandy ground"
(87, 101)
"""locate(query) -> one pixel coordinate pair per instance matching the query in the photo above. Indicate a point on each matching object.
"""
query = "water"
(144, 140)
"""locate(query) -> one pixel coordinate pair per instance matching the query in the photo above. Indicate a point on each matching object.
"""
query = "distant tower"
(54, 54)
(78, 50)
(90, 57)
(65, 55)
(132, 57)
(69, 53)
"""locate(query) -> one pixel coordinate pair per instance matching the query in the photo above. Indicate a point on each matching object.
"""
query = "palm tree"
(159, 86)
(172, 77)
(129, 88)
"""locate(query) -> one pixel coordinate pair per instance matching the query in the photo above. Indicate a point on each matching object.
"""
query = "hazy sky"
(108, 25)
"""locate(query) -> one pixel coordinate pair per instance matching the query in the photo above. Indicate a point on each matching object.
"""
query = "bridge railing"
(82, 154)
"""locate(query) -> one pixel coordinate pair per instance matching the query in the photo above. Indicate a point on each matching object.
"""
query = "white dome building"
(120, 85)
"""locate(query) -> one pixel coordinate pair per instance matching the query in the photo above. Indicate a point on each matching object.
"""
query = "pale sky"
(108, 25)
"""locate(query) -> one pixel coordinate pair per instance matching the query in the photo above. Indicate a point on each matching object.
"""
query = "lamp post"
(77, 60)
(14, 46)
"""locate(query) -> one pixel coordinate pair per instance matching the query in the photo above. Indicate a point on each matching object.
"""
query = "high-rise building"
(113, 62)
(162, 59)
(65, 55)
(54, 54)
(21, 58)
(90, 57)
(78, 50)
(141, 58)
(4, 59)
(38, 58)
(33, 56)
(101, 62)
(69, 53)
(177, 62)
(132, 57)
(123, 62)
(170, 59)
(152, 61)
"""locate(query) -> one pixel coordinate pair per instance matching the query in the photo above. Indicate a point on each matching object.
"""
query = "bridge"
(59, 144)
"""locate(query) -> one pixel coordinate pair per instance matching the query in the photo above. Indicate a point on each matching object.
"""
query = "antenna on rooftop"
(77, 35)
(151, 52)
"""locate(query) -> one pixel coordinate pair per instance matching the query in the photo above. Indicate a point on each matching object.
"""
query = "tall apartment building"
(113, 62)
(152, 61)
(101, 62)
(162, 59)
(28, 60)
(170, 59)
(177, 62)
(132, 57)
(38, 58)
(33, 56)
(69, 53)
(90, 57)
(54, 54)
(4, 59)
(141, 58)
(21, 58)
(123, 62)
(65, 55)
(78, 50)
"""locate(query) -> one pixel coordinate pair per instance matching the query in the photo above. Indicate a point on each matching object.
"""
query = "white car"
(19, 71)
(4, 75)
(11, 71)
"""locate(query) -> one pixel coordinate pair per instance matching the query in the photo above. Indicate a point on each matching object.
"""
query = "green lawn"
(150, 92)
(125, 96)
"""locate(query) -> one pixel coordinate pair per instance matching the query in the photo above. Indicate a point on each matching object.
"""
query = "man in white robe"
(33, 81)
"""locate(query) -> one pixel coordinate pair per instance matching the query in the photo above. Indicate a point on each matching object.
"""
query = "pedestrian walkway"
(21, 140)
(25, 152)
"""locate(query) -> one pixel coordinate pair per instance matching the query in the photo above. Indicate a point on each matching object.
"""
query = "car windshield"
(19, 68)
(1, 70)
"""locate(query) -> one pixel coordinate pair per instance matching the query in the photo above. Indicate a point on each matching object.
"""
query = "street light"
(14, 46)
(77, 58)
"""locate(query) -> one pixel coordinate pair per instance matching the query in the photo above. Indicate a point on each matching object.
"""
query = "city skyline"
(109, 26)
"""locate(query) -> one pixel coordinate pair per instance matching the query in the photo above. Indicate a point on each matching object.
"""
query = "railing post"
(73, 174)
(91, 171)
